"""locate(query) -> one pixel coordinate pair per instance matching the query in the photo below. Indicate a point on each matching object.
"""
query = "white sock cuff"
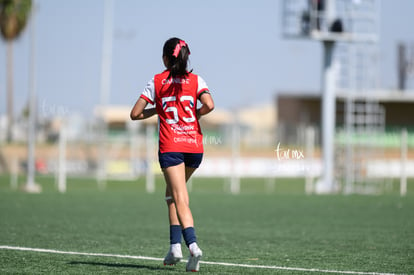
(193, 246)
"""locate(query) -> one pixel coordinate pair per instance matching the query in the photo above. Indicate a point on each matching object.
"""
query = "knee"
(180, 200)
(169, 199)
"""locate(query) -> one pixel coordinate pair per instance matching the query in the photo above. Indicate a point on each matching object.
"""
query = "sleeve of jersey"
(149, 92)
(202, 87)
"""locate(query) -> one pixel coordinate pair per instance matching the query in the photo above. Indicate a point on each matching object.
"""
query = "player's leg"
(174, 254)
(176, 182)
(176, 177)
(192, 162)
(172, 210)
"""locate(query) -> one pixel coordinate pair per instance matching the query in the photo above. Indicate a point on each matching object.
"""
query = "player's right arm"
(147, 96)
(139, 111)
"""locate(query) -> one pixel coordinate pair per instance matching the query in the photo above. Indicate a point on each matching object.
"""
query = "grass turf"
(282, 228)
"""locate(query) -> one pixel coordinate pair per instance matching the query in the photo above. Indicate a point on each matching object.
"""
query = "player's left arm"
(139, 112)
(207, 104)
(203, 94)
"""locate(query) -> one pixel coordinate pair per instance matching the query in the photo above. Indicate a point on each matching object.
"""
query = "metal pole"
(14, 178)
(349, 156)
(105, 86)
(235, 149)
(62, 158)
(107, 51)
(150, 180)
(101, 173)
(31, 186)
(402, 67)
(403, 180)
(326, 183)
(310, 148)
(133, 145)
(10, 102)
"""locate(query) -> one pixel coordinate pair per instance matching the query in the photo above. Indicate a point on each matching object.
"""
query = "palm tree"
(14, 15)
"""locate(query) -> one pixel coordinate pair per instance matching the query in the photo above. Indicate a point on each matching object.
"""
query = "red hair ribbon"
(178, 48)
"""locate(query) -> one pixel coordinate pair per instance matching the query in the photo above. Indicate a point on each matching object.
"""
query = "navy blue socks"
(175, 234)
(189, 236)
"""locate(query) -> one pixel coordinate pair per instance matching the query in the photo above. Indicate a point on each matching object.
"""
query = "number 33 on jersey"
(176, 103)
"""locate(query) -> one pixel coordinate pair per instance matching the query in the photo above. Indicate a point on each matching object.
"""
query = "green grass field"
(285, 228)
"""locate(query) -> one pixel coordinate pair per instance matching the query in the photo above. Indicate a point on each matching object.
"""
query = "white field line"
(52, 251)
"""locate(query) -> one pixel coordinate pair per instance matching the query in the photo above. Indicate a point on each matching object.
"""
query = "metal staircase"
(339, 20)
(353, 27)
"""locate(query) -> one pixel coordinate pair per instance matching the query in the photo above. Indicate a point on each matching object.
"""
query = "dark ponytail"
(176, 51)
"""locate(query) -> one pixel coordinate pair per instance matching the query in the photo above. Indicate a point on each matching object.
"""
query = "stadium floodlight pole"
(403, 165)
(150, 180)
(327, 184)
(105, 86)
(107, 51)
(349, 153)
(133, 129)
(235, 149)
(310, 149)
(31, 186)
(62, 158)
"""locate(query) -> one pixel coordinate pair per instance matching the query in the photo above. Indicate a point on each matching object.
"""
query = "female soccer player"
(175, 93)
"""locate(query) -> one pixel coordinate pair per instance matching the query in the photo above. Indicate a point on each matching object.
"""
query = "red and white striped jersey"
(176, 102)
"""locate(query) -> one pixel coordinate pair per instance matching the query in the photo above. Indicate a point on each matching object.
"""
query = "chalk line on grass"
(52, 251)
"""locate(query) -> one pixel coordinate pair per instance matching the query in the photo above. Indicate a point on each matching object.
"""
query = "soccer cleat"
(193, 263)
(174, 255)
